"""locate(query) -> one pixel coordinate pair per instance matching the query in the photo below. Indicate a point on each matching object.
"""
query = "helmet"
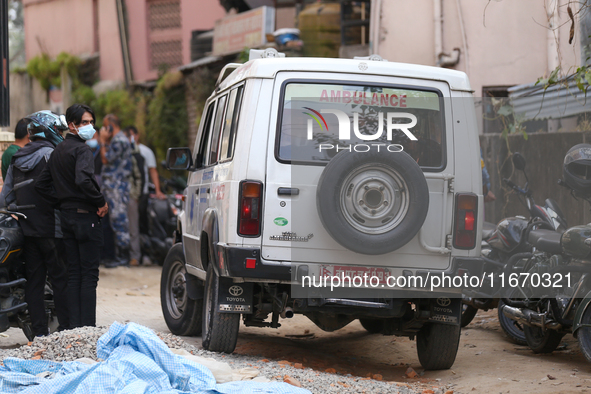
(48, 125)
(576, 169)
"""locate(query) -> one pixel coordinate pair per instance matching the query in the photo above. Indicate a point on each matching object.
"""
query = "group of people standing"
(64, 233)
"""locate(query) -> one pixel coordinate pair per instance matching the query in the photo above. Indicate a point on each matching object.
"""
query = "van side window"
(217, 128)
(230, 125)
(201, 141)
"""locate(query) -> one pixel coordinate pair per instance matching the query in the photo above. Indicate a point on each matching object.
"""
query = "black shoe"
(111, 264)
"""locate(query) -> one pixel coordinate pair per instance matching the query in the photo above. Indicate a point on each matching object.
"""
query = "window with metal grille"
(165, 15)
(164, 18)
(166, 52)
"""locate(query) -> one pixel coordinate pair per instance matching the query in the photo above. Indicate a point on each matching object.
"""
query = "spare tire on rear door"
(372, 202)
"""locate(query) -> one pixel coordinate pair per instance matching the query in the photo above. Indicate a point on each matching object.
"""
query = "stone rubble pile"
(79, 343)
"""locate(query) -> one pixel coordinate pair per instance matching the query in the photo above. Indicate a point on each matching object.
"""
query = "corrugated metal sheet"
(560, 101)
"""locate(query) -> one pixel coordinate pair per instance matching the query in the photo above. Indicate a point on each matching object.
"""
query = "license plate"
(364, 273)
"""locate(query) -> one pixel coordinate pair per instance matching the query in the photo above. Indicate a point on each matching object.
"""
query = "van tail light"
(249, 215)
(465, 221)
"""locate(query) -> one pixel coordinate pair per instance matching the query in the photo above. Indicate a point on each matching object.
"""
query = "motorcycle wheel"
(468, 313)
(542, 341)
(584, 335)
(512, 328)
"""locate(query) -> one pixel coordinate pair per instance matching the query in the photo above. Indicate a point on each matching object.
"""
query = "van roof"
(268, 68)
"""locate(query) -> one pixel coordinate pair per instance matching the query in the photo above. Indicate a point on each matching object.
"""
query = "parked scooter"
(504, 245)
(13, 308)
(553, 294)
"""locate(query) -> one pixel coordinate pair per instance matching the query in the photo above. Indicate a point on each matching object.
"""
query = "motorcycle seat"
(546, 240)
(487, 230)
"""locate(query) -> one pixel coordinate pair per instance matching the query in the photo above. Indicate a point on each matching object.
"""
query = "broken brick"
(411, 373)
(292, 381)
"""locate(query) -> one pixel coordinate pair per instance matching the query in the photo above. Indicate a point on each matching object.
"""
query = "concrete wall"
(507, 44)
(26, 96)
(544, 153)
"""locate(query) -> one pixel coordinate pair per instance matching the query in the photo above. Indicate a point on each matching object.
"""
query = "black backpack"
(141, 164)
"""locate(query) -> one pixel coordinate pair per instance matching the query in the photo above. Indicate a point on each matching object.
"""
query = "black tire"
(512, 328)
(220, 330)
(373, 326)
(437, 345)
(468, 313)
(540, 341)
(181, 314)
(373, 202)
(584, 335)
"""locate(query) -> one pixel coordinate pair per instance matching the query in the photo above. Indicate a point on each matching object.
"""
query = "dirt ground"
(486, 361)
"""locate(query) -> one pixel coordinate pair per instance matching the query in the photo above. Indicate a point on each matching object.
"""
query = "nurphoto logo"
(345, 129)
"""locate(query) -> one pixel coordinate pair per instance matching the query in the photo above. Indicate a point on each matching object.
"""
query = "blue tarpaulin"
(135, 361)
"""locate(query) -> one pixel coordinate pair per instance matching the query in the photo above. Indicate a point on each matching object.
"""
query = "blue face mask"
(92, 143)
(86, 132)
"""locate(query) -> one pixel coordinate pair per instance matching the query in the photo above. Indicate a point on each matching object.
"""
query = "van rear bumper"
(247, 264)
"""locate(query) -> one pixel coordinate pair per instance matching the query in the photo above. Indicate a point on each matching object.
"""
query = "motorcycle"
(162, 222)
(547, 313)
(505, 249)
(13, 308)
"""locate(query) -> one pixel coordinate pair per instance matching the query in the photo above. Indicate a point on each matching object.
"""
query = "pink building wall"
(137, 11)
(54, 26)
(198, 15)
(111, 57)
(195, 15)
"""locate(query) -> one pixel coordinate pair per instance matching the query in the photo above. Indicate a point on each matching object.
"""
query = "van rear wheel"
(220, 330)
(373, 326)
(437, 345)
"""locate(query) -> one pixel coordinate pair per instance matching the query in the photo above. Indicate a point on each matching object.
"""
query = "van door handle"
(288, 191)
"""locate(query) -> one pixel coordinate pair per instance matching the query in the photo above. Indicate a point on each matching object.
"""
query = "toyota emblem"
(235, 291)
(443, 301)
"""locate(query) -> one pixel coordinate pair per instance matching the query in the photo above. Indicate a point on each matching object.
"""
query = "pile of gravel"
(81, 343)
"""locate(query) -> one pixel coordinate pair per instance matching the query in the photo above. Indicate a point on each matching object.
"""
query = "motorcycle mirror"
(22, 184)
(19, 186)
(519, 161)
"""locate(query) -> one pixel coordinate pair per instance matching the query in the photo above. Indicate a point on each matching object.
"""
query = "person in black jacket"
(68, 179)
(43, 249)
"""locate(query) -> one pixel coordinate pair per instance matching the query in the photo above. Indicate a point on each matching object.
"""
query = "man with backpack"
(43, 248)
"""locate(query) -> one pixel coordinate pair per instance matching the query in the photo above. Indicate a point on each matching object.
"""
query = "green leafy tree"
(166, 121)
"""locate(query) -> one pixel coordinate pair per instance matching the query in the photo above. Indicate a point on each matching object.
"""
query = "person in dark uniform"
(69, 180)
(43, 249)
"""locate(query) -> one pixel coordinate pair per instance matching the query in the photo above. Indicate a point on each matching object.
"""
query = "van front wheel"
(181, 314)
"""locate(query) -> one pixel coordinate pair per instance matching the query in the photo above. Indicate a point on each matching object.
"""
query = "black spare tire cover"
(372, 202)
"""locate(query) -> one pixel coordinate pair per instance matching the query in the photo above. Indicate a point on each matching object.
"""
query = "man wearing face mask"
(68, 180)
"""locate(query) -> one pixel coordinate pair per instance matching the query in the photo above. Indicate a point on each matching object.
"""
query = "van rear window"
(320, 120)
